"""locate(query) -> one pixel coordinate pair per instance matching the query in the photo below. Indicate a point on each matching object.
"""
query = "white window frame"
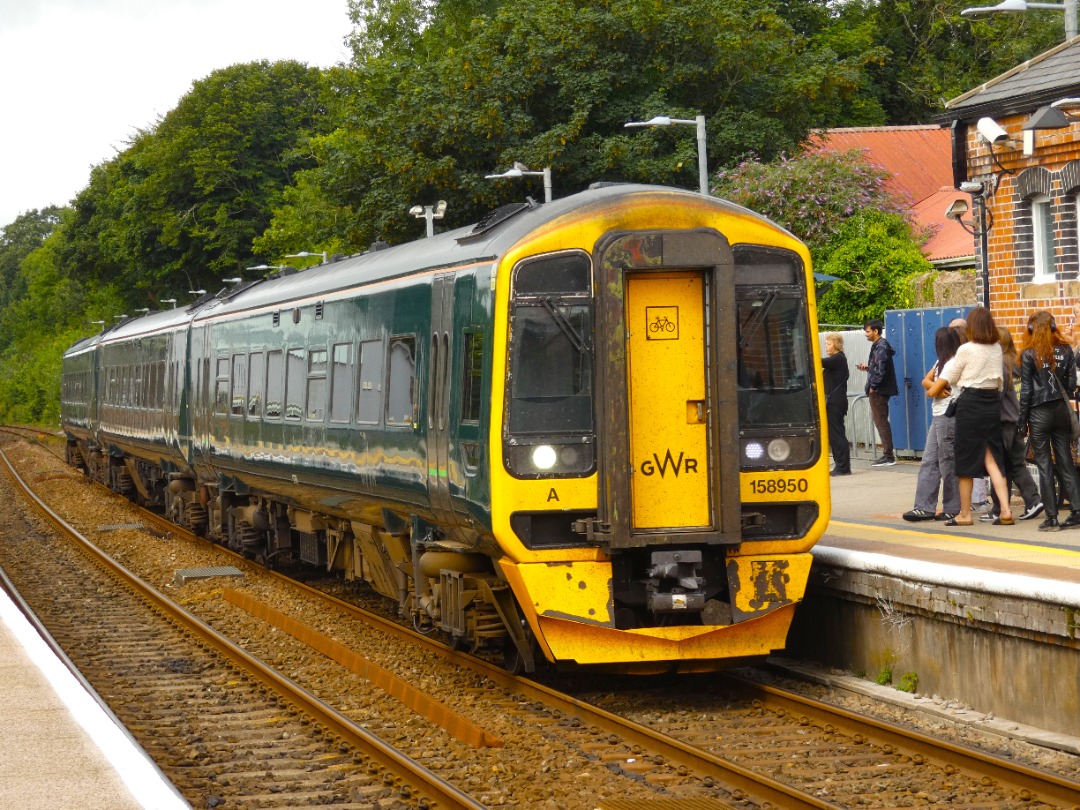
(1042, 236)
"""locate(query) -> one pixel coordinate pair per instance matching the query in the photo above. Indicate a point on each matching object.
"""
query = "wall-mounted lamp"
(521, 170)
(980, 227)
(429, 213)
(169, 301)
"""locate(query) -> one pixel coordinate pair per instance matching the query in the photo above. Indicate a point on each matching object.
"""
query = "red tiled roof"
(919, 160)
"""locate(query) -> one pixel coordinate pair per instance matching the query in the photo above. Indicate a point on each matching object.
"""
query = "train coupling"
(675, 584)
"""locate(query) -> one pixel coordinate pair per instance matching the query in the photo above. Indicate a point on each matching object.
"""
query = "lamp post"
(303, 254)
(1069, 7)
(99, 323)
(233, 280)
(979, 226)
(142, 310)
(521, 170)
(702, 155)
(429, 213)
(169, 301)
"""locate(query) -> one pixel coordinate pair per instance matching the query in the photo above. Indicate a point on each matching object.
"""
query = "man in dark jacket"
(880, 386)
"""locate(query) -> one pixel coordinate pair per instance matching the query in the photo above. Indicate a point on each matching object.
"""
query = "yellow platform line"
(924, 539)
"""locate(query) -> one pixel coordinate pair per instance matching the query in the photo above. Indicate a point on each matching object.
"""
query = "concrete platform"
(987, 615)
(58, 746)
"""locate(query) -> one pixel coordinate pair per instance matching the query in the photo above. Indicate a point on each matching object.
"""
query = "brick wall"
(1052, 169)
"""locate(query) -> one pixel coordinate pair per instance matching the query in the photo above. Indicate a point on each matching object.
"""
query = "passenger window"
(371, 375)
(256, 383)
(221, 391)
(239, 384)
(401, 385)
(295, 376)
(316, 385)
(275, 384)
(341, 383)
(471, 376)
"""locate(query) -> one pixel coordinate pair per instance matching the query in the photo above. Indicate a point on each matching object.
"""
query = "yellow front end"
(567, 593)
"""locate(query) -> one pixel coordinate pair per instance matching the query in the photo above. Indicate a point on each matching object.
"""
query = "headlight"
(754, 451)
(779, 450)
(544, 457)
(550, 459)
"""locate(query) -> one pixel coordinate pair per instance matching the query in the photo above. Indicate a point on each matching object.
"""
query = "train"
(585, 433)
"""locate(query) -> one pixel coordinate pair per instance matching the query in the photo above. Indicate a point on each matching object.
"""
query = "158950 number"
(778, 486)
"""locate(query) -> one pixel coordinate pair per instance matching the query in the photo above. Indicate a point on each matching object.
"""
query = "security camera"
(991, 131)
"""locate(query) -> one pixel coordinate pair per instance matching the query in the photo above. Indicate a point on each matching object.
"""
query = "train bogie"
(587, 431)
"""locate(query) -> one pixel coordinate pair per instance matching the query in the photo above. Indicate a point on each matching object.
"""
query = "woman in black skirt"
(975, 374)
(1047, 380)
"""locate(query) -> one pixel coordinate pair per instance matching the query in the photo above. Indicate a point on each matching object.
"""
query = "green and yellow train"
(587, 431)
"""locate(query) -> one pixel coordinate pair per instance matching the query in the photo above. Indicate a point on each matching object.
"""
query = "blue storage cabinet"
(911, 333)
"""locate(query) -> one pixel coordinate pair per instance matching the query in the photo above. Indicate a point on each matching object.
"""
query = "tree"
(875, 260)
(455, 91)
(17, 241)
(813, 195)
(181, 206)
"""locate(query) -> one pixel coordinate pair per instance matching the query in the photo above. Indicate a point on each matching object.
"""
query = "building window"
(1042, 226)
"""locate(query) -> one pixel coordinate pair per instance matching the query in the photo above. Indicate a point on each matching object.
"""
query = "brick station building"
(1028, 162)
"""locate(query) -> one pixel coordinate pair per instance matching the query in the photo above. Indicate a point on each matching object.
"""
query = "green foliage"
(874, 258)
(909, 682)
(884, 675)
(442, 94)
(812, 195)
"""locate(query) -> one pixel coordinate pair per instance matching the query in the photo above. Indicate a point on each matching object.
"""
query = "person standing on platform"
(1016, 469)
(836, 376)
(1047, 380)
(880, 386)
(974, 374)
(938, 467)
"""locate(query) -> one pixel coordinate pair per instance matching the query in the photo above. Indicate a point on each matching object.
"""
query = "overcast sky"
(79, 77)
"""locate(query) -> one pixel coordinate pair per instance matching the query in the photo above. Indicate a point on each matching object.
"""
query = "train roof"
(485, 241)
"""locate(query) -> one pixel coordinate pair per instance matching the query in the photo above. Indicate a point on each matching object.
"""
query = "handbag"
(950, 409)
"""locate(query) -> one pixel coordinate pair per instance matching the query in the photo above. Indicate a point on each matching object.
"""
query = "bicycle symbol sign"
(662, 323)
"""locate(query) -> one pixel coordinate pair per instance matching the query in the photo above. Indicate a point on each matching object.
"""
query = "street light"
(169, 301)
(979, 226)
(521, 170)
(233, 280)
(98, 323)
(303, 254)
(142, 310)
(197, 293)
(430, 213)
(702, 155)
(1069, 7)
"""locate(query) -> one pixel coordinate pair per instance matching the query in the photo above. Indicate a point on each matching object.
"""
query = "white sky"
(79, 77)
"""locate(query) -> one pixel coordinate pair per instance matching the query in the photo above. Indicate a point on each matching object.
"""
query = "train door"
(667, 387)
(438, 393)
(668, 457)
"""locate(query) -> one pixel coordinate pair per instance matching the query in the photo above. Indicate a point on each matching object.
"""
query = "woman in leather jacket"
(1047, 380)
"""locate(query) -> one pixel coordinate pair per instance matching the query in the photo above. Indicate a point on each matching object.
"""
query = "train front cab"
(673, 532)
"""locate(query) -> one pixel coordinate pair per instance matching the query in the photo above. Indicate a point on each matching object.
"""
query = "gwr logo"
(676, 465)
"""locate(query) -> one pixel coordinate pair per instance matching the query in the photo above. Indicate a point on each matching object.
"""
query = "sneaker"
(1050, 525)
(1032, 511)
(1072, 521)
(988, 517)
(884, 461)
(915, 515)
(945, 516)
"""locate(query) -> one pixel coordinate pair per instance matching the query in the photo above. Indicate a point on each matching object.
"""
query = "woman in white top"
(975, 375)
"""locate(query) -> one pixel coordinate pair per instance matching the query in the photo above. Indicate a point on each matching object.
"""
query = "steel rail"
(1030, 783)
(442, 792)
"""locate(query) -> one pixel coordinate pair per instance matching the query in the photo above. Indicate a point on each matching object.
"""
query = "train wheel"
(513, 660)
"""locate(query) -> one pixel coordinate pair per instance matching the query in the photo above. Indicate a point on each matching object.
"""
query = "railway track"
(719, 743)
